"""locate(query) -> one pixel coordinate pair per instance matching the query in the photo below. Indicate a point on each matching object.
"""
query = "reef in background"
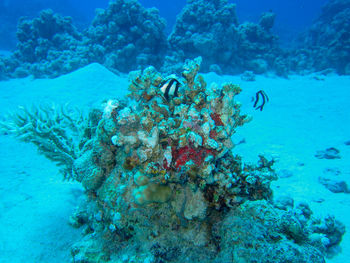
(123, 37)
(328, 40)
(127, 36)
(48, 46)
(162, 184)
(211, 29)
(324, 47)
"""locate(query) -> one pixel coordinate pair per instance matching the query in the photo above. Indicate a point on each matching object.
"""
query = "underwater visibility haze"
(174, 131)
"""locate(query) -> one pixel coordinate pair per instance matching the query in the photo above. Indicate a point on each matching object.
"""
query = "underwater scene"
(144, 131)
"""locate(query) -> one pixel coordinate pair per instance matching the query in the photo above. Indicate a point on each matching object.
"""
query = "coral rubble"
(162, 184)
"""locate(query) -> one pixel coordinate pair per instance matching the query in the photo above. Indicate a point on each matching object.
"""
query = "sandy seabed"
(305, 114)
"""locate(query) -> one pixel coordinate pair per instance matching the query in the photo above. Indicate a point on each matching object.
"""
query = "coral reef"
(324, 47)
(328, 38)
(3, 74)
(128, 36)
(124, 37)
(47, 46)
(255, 231)
(161, 181)
(209, 28)
(280, 237)
(248, 76)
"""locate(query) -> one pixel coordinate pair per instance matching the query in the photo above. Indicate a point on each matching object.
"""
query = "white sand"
(304, 115)
(35, 203)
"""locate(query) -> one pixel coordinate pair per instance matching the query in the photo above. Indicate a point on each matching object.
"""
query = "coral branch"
(58, 132)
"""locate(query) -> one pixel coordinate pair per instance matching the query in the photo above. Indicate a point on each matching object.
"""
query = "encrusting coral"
(163, 185)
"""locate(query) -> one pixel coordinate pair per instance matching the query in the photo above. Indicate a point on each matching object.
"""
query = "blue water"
(305, 124)
(292, 18)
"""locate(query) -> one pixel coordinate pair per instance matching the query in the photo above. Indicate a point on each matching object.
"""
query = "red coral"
(165, 164)
(213, 134)
(184, 154)
(217, 119)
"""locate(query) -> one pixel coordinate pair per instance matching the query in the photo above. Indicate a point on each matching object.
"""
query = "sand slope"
(304, 115)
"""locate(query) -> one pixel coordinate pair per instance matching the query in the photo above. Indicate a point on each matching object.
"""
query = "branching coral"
(57, 132)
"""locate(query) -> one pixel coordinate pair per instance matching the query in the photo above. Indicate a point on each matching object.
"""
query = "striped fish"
(264, 98)
(170, 88)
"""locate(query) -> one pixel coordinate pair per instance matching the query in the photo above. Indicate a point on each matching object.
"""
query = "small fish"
(170, 88)
(264, 98)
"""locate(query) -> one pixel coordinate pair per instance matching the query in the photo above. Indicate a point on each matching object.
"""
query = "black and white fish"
(170, 88)
(264, 99)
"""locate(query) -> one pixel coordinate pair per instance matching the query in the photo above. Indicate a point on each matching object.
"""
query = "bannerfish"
(170, 88)
(264, 98)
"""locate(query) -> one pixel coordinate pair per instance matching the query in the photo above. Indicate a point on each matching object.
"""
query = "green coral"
(57, 131)
(152, 193)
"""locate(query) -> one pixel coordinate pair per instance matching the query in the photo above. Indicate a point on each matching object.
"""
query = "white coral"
(151, 139)
(109, 106)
